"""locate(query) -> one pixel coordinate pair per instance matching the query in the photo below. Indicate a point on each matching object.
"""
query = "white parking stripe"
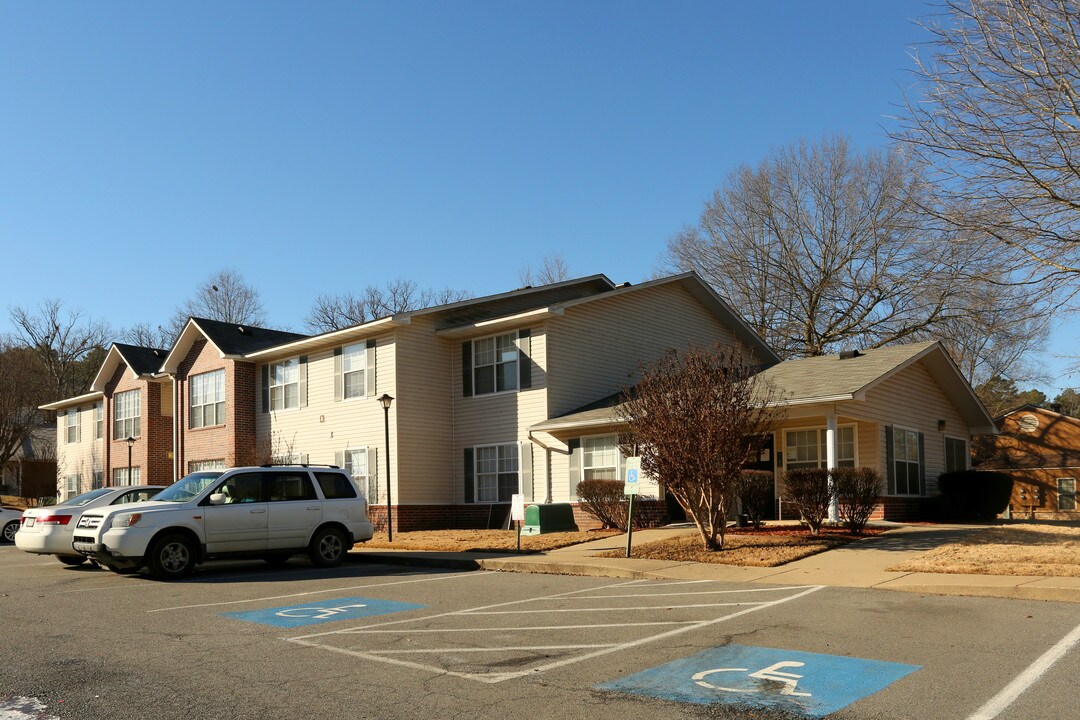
(488, 677)
(1026, 679)
(635, 608)
(512, 648)
(318, 592)
(589, 626)
(703, 592)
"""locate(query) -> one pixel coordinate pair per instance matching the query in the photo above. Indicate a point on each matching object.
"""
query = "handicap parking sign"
(803, 683)
(324, 611)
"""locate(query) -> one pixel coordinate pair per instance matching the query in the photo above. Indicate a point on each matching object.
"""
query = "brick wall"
(233, 441)
(150, 452)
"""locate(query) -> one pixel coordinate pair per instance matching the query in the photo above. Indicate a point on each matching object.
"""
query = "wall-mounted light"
(941, 426)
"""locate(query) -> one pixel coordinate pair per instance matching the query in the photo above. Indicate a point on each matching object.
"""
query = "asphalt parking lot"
(243, 640)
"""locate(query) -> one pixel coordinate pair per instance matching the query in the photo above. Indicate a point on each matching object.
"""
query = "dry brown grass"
(13, 501)
(765, 548)
(481, 540)
(1047, 550)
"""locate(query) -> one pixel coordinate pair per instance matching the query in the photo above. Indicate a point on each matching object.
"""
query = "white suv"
(271, 512)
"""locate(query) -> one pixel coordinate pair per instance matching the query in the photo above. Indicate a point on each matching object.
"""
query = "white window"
(1066, 493)
(496, 472)
(956, 454)
(127, 476)
(809, 449)
(495, 364)
(201, 465)
(353, 366)
(208, 399)
(356, 464)
(128, 415)
(71, 485)
(907, 465)
(599, 458)
(99, 421)
(285, 384)
(71, 426)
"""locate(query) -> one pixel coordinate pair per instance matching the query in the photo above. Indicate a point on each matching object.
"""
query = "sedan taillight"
(54, 520)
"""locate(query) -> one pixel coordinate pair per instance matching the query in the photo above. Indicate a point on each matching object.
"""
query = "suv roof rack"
(304, 465)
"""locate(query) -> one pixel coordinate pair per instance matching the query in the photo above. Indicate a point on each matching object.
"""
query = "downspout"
(175, 428)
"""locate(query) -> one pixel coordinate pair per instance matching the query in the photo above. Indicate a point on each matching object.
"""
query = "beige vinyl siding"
(82, 458)
(326, 427)
(912, 399)
(424, 414)
(502, 417)
(594, 348)
(866, 441)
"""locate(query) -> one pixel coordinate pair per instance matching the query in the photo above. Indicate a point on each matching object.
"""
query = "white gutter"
(327, 339)
(495, 323)
(69, 402)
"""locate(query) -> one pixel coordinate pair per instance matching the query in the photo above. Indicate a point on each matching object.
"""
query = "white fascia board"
(183, 344)
(548, 426)
(495, 324)
(71, 402)
(815, 400)
(330, 339)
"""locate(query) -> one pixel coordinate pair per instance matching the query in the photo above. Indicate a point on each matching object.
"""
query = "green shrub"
(756, 494)
(976, 495)
(808, 489)
(857, 490)
(606, 501)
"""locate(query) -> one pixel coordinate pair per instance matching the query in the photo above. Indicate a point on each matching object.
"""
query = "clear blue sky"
(322, 147)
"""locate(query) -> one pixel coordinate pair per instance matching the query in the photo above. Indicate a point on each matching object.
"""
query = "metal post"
(629, 525)
(130, 442)
(389, 511)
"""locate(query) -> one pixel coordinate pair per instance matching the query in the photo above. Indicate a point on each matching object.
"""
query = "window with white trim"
(809, 448)
(956, 454)
(71, 426)
(195, 466)
(99, 480)
(907, 465)
(127, 415)
(71, 485)
(495, 364)
(127, 476)
(207, 392)
(99, 421)
(497, 477)
(599, 458)
(353, 368)
(356, 464)
(1066, 493)
(285, 384)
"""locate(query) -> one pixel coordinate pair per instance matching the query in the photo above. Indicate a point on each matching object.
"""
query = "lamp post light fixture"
(130, 441)
(386, 401)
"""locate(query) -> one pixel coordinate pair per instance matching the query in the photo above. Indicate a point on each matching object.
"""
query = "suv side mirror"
(217, 499)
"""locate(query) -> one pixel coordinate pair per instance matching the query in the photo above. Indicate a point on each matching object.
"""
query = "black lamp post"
(130, 441)
(386, 400)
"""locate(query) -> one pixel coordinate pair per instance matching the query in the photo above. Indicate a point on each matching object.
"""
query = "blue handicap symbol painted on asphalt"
(796, 682)
(324, 611)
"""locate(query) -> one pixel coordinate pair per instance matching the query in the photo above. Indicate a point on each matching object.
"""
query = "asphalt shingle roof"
(236, 339)
(142, 360)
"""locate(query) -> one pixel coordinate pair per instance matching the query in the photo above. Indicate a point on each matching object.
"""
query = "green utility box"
(553, 517)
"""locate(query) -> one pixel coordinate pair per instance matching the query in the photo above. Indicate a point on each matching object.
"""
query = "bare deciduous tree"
(69, 344)
(145, 335)
(334, 312)
(553, 268)
(225, 296)
(24, 385)
(999, 120)
(821, 247)
(696, 418)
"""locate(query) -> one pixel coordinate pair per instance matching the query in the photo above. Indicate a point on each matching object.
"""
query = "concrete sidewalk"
(862, 564)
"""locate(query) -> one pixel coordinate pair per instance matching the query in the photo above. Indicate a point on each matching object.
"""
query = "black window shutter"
(922, 467)
(266, 388)
(524, 364)
(466, 369)
(890, 466)
(469, 475)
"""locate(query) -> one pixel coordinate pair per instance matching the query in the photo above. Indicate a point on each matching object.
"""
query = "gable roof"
(141, 361)
(232, 340)
(827, 379)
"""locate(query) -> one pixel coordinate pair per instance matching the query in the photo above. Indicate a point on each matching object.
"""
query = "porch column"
(830, 463)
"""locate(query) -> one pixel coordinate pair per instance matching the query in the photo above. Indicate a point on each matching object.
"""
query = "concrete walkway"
(862, 564)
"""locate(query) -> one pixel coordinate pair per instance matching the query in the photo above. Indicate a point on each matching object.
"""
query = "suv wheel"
(172, 558)
(327, 548)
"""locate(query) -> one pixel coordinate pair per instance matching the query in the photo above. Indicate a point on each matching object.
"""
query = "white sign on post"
(633, 476)
(517, 507)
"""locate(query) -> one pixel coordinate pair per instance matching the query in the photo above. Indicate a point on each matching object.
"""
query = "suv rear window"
(335, 486)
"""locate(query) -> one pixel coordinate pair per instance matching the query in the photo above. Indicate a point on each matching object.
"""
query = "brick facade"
(152, 450)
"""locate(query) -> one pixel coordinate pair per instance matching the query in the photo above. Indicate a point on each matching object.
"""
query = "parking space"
(241, 639)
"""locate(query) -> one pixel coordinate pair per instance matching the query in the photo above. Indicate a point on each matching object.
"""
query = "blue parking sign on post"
(807, 684)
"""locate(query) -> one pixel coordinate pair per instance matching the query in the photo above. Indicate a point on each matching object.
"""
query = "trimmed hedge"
(974, 494)
(857, 490)
(809, 491)
(756, 494)
(606, 501)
